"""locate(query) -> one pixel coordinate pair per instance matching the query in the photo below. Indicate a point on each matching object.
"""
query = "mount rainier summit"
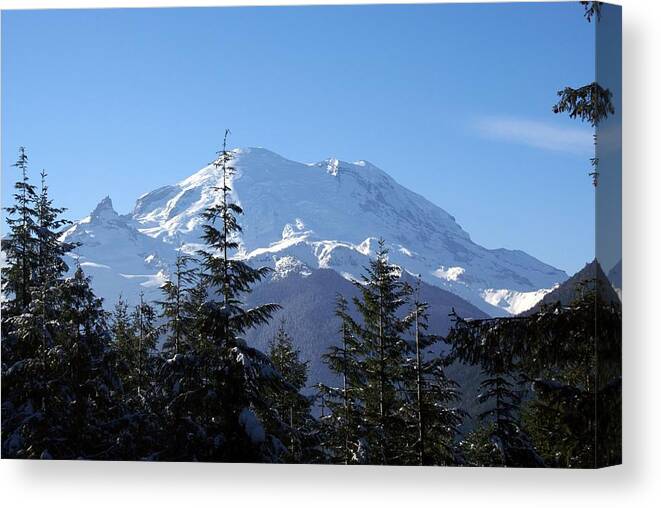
(299, 218)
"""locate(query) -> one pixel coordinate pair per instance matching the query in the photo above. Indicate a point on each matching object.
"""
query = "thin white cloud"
(542, 135)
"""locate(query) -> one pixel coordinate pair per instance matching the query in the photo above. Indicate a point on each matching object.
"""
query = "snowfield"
(300, 217)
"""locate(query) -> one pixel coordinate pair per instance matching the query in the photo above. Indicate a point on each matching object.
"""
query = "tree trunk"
(418, 366)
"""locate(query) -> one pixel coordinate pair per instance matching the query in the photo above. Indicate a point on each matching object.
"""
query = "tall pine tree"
(221, 391)
(175, 306)
(58, 393)
(382, 332)
(431, 398)
(20, 247)
(291, 408)
(496, 346)
(590, 103)
(344, 426)
(379, 345)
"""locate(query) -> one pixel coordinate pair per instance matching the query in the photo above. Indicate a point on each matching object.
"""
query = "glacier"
(300, 217)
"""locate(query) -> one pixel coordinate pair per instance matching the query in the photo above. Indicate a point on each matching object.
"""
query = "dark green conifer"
(343, 427)
(382, 334)
(58, 393)
(431, 398)
(21, 244)
(175, 305)
(291, 408)
(221, 391)
(496, 345)
(590, 103)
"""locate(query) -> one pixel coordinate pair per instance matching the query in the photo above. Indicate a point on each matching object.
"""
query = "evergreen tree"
(590, 103)
(229, 278)
(175, 307)
(146, 333)
(478, 449)
(344, 426)
(193, 306)
(495, 345)
(431, 404)
(289, 405)
(222, 390)
(569, 357)
(121, 328)
(574, 417)
(377, 349)
(51, 265)
(382, 331)
(27, 325)
(21, 244)
(58, 393)
(592, 10)
(420, 325)
(51, 251)
(87, 399)
(442, 416)
(224, 321)
(135, 336)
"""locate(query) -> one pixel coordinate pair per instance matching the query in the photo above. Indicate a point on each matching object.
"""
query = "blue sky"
(454, 101)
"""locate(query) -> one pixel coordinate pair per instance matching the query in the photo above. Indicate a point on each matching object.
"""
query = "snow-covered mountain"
(120, 259)
(300, 217)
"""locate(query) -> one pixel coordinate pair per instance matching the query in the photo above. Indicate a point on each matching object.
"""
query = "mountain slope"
(120, 259)
(323, 215)
(615, 276)
(308, 309)
(308, 300)
(566, 292)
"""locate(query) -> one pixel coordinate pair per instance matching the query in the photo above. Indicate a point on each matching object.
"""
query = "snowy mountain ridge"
(299, 217)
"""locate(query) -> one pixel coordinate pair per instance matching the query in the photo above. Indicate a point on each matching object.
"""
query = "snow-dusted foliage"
(395, 404)
(59, 395)
(80, 383)
(551, 393)
(219, 390)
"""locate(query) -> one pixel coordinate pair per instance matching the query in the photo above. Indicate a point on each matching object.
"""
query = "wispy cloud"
(542, 135)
